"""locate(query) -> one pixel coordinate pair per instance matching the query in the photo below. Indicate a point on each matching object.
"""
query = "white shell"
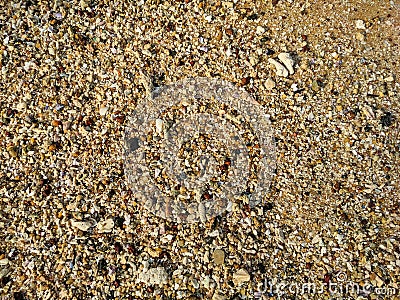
(202, 212)
(159, 125)
(269, 84)
(287, 61)
(280, 69)
(153, 276)
(4, 262)
(105, 226)
(241, 276)
(103, 110)
(83, 225)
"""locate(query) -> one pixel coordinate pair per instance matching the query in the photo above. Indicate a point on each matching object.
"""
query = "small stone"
(208, 18)
(245, 81)
(387, 119)
(219, 257)
(360, 24)
(315, 86)
(154, 276)
(84, 4)
(227, 4)
(260, 30)
(206, 282)
(202, 212)
(195, 284)
(159, 125)
(218, 296)
(379, 281)
(12, 151)
(389, 79)
(52, 147)
(56, 123)
(103, 110)
(240, 277)
(294, 87)
(154, 252)
(21, 106)
(269, 84)
(83, 225)
(360, 36)
(105, 226)
(4, 262)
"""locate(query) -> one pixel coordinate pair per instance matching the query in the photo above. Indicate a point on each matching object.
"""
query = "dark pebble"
(387, 119)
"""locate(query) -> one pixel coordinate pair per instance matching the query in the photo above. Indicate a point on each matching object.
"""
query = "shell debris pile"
(72, 73)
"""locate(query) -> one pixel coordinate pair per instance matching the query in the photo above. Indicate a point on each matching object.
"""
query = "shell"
(241, 276)
(287, 60)
(83, 225)
(105, 226)
(280, 69)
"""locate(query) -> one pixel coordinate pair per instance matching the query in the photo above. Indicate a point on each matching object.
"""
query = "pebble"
(269, 84)
(105, 226)
(56, 123)
(202, 212)
(360, 36)
(83, 225)
(21, 106)
(315, 86)
(151, 276)
(4, 262)
(218, 296)
(389, 79)
(103, 110)
(260, 30)
(241, 276)
(159, 125)
(219, 257)
(360, 24)
(12, 151)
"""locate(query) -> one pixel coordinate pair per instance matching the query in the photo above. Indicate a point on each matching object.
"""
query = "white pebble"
(269, 84)
(153, 276)
(360, 24)
(202, 212)
(260, 30)
(82, 225)
(159, 125)
(241, 276)
(4, 262)
(105, 226)
(103, 110)
(21, 106)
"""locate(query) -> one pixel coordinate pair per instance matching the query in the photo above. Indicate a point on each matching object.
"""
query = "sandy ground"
(72, 72)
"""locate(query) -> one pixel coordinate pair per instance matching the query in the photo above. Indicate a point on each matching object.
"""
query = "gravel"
(72, 73)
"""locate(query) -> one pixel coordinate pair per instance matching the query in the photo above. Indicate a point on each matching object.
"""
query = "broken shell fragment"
(286, 59)
(280, 69)
(83, 225)
(241, 276)
(105, 226)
